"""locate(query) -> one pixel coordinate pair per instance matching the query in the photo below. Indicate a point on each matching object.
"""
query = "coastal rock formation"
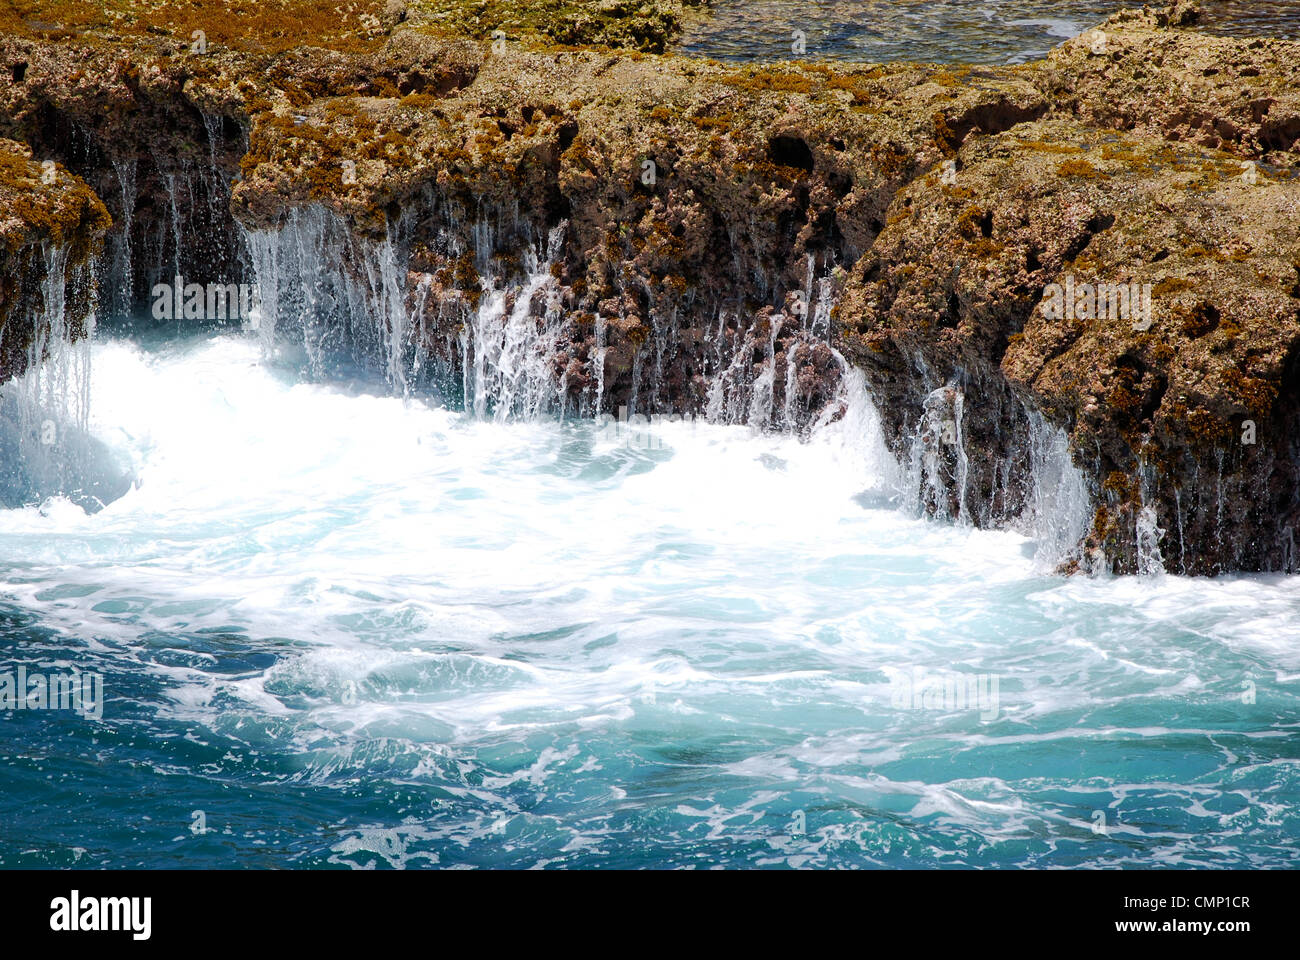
(534, 227)
(704, 208)
(1168, 412)
(648, 26)
(51, 227)
(1158, 393)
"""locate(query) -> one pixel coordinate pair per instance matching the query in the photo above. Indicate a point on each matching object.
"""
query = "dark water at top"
(967, 31)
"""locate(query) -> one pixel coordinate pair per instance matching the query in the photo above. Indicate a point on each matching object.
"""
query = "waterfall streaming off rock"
(45, 447)
(1060, 507)
(938, 456)
(120, 275)
(1149, 535)
(510, 353)
(338, 296)
(1034, 486)
(514, 350)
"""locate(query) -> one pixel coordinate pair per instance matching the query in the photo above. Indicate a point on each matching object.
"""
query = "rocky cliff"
(450, 193)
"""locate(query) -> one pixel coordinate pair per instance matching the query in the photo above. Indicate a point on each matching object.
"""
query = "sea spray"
(45, 448)
(513, 343)
(510, 356)
(341, 297)
(1059, 509)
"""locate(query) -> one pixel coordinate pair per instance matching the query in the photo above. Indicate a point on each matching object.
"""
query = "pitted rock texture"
(954, 290)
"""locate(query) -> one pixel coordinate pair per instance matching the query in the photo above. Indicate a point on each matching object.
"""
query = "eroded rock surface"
(51, 226)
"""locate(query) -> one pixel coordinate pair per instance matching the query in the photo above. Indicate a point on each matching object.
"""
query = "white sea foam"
(469, 594)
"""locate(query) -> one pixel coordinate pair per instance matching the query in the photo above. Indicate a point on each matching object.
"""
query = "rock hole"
(1100, 223)
(568, 133)
(952, 316)
(790, 152)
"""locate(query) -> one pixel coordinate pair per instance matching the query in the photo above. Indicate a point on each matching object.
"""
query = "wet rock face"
(51, 225)
(706, 209)
(159, 159)
(1104, 242)
(1135, 276)
(1144, 293)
